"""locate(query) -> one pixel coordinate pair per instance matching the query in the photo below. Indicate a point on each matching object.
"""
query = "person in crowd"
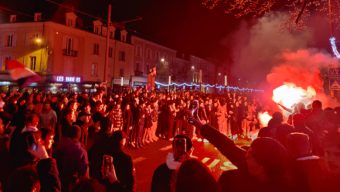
(147, 137)
(25, 179)
(122, 162)
(193, 175)
(310, 170)
(276, 129)
(112, 144)
(127, 122)
(298, 121)
(117, 117)
(171, 119)
(72, 159)
(83, 121)
(212, 112)
(48, 117)
(69, 117)
(100, 147)
(19, 140)
(315, 120)
(154, 119)
(47, 139)
(34, 157)
(163, 179)
(94, 129)
(5, 158)
(221, 114)
(202, 115)
(257, 170)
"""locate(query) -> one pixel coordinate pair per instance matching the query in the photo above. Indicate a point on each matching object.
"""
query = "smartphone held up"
(107, 164)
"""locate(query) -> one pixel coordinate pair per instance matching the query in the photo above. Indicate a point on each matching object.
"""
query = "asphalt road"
(148, 158)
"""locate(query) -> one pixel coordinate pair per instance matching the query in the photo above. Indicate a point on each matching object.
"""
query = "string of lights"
(334, 47)
(234, 88)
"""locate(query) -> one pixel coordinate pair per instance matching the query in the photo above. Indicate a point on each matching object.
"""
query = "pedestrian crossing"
(216, 163)
(211, 163)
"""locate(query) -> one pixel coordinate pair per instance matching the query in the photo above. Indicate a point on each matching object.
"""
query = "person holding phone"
(163, 178)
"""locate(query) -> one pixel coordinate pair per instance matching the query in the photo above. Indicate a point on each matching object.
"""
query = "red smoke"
(303, 69)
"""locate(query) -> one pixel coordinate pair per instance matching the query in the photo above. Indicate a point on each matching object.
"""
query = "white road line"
(214, 163)
(165, 148)
(139, 159)
(205, 159)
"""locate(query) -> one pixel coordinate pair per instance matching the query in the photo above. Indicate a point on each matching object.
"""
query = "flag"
(151, 79)
(21, 74)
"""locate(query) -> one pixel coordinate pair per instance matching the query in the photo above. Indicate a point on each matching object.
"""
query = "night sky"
(185, 25)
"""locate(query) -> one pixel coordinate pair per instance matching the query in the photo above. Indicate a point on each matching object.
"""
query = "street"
(148, 158)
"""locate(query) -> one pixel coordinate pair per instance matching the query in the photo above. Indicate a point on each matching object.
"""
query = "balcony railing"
(69, 52)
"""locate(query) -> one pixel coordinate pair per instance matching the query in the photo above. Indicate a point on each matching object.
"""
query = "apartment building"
(66, 55)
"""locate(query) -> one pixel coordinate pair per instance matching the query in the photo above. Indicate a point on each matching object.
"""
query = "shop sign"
(67, 79)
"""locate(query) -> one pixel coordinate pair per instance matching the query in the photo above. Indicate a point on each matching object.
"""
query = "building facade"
(65, 54)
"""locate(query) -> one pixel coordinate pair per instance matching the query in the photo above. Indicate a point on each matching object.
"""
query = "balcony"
(69, 52)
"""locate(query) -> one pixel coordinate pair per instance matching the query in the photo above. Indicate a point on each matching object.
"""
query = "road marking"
(165, 148)
(205, 159)
(139, 159)
(227, 166)
(214, 163)
(194, 157)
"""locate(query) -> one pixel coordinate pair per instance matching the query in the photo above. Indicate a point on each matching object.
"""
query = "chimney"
(12, 18)
(71, 19)
(123, 35)
(37, 17)
(97, 27)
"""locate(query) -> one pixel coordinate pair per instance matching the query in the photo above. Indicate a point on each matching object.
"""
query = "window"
(121, 55)
(147, 53)
(96, 49)
(110, 52)
(69, 22)
(94, 69)
(138, 50)
(111, 35)
(69, 44)
(12, 18)
(37, 17)
(9, 42)
(33, 62)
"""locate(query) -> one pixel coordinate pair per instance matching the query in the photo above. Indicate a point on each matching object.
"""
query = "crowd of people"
(76, 141)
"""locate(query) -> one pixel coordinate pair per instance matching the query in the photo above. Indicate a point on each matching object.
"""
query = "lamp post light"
(193, 73)
(39, 42)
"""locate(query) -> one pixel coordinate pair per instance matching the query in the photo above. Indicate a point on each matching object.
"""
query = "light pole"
(39, 41)
(193, 73)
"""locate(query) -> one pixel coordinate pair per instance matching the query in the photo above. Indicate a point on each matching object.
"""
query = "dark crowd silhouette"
(77, 141)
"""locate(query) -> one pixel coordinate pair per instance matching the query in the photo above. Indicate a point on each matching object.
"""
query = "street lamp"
(38, 40)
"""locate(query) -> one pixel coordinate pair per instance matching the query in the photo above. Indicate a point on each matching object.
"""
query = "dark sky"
(184, 25)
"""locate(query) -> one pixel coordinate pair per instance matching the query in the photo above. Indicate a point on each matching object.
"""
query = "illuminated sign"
(67, 79)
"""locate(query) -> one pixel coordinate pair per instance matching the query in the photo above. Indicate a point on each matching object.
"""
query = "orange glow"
(264, 118)
(38, 40)
(288, 95)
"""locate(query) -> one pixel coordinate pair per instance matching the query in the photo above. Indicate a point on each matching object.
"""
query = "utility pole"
(107, 44)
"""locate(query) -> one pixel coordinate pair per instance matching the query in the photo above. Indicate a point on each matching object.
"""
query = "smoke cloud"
(256, 48)
(265, 52)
